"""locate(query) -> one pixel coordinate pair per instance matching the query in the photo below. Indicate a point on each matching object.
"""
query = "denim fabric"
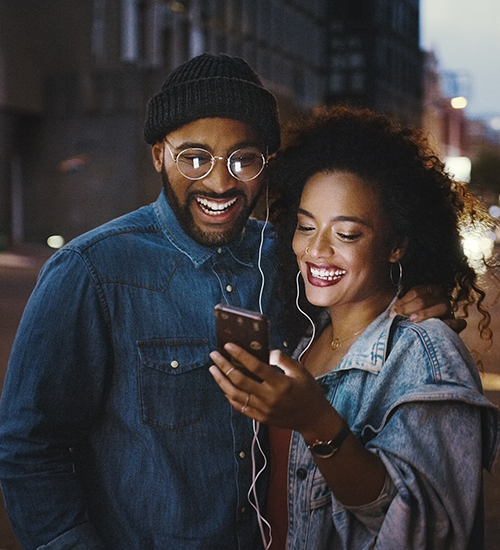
(113, 432)
(411, 394)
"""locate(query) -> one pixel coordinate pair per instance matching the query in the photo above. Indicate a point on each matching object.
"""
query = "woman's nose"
(321, 246)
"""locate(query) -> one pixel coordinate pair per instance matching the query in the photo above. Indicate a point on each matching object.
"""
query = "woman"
(390, 430)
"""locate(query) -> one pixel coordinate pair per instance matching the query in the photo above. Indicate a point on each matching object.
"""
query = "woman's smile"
(324, 275)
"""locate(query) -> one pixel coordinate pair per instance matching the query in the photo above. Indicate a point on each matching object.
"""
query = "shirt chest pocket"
(172, 380)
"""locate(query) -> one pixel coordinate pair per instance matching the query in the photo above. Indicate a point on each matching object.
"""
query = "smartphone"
(247, 329)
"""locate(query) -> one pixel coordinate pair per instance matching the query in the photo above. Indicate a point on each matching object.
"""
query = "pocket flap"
(174, 355)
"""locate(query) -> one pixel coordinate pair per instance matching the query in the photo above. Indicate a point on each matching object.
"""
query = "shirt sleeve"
(51, 396)
(432, 453)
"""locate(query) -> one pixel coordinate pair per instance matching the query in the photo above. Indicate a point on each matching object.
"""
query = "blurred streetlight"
(495, 123)
(458, 102)
(477, 242)
(459, 168)
(55, 241)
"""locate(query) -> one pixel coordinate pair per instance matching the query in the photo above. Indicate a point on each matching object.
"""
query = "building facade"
(374, 57)
(76, 78)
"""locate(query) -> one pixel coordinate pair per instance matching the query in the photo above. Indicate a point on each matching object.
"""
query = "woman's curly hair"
(422, 202)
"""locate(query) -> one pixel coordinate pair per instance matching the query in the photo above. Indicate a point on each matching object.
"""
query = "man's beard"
(188, 225)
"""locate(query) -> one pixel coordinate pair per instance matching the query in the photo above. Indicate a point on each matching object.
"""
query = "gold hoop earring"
(307, 250)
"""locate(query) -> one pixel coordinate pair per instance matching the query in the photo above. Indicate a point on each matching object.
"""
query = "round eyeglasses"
(243, 164)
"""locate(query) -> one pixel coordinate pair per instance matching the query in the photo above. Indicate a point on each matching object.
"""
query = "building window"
(358, 83)
(130, 31)
(337, 83)
(98, 30)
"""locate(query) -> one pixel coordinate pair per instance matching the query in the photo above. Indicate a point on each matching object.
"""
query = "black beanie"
(213, 86)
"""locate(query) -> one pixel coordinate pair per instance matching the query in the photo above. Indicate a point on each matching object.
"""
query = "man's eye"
(246, 159)
(194, 159)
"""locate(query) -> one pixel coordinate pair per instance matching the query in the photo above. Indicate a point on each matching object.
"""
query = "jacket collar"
(370, 350)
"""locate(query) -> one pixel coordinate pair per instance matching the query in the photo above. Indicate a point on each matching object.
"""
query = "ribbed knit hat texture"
(210, 86)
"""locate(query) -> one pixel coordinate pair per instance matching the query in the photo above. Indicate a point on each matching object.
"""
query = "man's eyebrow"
(353, 219)
(234, 147)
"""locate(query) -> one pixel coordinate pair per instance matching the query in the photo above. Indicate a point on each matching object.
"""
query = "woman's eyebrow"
(353, 219)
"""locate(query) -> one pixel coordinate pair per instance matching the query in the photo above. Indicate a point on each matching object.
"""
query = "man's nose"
(220, 179)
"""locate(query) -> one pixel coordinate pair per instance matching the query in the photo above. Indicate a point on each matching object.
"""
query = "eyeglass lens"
(243, 164)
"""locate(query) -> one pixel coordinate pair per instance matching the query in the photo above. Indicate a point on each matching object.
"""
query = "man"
(113, 433)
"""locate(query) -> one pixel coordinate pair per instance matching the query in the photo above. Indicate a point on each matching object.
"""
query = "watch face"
(323, 449)
(326, 449)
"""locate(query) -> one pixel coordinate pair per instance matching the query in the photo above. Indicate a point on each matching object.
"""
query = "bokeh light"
(55, 241)
(478, 241)
(459, 102)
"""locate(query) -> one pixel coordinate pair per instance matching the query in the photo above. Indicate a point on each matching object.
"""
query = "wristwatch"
(326, 449)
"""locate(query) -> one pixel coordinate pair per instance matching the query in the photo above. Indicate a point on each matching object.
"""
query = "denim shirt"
(411, 394)
(113, 432)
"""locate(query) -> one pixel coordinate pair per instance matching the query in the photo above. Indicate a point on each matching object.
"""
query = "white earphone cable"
(263, 523)
(305, 314)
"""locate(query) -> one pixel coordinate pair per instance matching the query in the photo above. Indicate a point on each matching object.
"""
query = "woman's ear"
(157, 152)
(399, 250)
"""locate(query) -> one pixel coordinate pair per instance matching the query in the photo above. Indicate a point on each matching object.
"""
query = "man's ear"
(399, 250)
(157, 153)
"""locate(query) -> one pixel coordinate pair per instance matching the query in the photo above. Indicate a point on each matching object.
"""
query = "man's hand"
(426, 302)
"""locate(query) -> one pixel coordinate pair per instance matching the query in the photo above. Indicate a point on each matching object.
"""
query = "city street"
(17, 279)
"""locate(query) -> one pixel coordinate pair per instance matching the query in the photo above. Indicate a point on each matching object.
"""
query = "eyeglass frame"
(213, 158)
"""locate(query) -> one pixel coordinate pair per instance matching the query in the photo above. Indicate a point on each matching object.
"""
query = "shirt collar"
(238, 250)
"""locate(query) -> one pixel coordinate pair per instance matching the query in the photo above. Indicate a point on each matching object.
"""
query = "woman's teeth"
(214, 208)
(327, 274)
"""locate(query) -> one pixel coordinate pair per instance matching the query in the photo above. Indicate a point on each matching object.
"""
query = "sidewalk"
(26, 257)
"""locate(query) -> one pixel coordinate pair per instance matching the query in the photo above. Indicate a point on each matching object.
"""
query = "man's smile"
(214, 207)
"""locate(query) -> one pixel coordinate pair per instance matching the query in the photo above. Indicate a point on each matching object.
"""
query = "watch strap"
(326, 449)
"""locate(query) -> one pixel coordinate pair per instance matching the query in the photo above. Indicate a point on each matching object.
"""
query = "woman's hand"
(290, 398)
(294, 400)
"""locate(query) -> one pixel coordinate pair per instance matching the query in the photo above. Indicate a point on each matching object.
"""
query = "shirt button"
(229, 288)
(174, 364)
(219, 250)
(242, 454)
(302, 473)
(243, 509)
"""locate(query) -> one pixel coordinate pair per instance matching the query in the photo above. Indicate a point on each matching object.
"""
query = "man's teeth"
(327, 274)
(214, 208)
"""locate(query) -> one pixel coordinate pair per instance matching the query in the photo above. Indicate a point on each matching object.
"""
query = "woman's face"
(341, 241)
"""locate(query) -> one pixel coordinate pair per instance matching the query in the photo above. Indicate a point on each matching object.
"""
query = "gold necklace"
(336, 342)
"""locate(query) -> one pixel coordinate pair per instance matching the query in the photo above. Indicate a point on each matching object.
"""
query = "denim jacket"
(411, 394)
(113, 433)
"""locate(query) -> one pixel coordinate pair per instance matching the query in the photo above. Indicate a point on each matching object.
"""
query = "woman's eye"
(349, 236)
(304, 228)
